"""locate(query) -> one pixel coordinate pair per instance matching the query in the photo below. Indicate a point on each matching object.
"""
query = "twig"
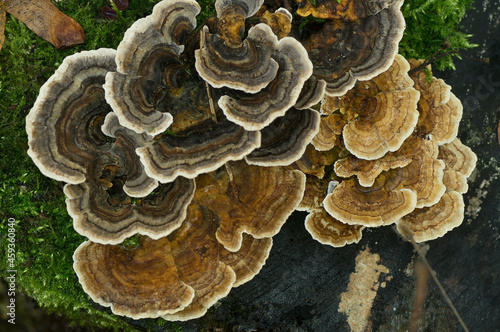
(409, 236)
(210, 100)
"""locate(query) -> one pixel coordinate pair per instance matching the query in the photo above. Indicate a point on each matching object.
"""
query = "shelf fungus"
(64, 125)
(230, 193)
(320, 224)
(197, 151)
(260, 76)
(176, 277)
(357, 41)
(440, 110)
(434, 221)
(379, 114)
(109, 216)
(147, 60)
(285, 140)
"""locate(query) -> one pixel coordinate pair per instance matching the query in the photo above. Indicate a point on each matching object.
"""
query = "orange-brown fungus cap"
(440, 111)
(346, 10)
(328, 230)
(322, 226)
(382, 204)
(249, 199)
(424, 175)
(367, 170)
(313, 162)
(357, 42)
(381, 113)
(280, 21)
(432, 222)
(140, 283)
(330, 132)
(205, 265)
(459, 162)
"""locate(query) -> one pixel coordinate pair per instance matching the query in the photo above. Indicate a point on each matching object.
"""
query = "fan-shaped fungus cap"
(312, 93)
(354, 44)
(256, 111)
(286, 138)
(231, 194)
(327, 230)
(280, 21)
(197, 152)
(380, 113)
(248, 7)
(123, 159)
(145, 56)
(178, 277)
(330, 131)
(247, 67)
(346, 10)
(108, 216)
(381, 204)
(459, 162)
(139, 283)
(415, 185)
(440, 110)
(322, 226)
(175, 19)
(148, 51)
(206, 266)
(432, 222)
(367, 170)
(313, 162)
(64, 124)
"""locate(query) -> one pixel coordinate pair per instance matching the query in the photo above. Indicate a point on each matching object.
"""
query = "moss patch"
(45, 239)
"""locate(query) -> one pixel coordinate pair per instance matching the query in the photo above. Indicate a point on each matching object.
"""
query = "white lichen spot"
(363, 286)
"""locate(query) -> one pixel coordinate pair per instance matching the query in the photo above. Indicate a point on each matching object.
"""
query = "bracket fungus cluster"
(203, 140)
(394, 135)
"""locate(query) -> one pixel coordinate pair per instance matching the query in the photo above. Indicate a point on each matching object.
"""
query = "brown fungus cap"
(381, 204)
(256, 111)
(380, 113)
(148, 52)
(64, 125)
(123, 159)
(322, 226)
(440, 110)
(395, 192)
(280, 21)
(345, 10)
(249, 199)
(354, 44)
(459, 162)
(432, 222)
(206, 266)
(197, 152)
(330, 132)
(327, 230)
(313, 162)
(140, 283)
(312, 93)
(108, 215)
(286, 138)
(175, 19)
(247, 67)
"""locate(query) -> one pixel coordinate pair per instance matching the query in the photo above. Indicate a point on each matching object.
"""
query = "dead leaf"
(2, 24)
(43, 18)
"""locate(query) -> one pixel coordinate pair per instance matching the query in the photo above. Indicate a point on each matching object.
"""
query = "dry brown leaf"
(43, 18)
(2, 24)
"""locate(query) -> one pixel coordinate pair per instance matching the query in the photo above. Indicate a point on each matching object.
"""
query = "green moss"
(45, 239)
(432, 31)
